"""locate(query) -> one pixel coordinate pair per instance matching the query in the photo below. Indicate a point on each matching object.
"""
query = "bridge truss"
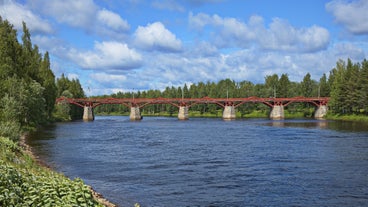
(188, 102)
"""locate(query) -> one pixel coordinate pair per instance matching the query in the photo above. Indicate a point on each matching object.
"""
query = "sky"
(131, 45)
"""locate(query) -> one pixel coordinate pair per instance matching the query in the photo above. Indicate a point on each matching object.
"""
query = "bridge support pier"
(135, 114)
(88, 113)
(183, 113)
(277, 112)
(229, 112)
(321, 111)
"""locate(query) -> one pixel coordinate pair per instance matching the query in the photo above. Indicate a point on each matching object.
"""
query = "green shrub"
(24, 183)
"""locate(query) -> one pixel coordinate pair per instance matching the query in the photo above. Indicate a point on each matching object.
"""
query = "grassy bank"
(23, 182)
(359, 118)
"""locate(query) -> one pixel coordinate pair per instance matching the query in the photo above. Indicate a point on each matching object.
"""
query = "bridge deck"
(141, 102)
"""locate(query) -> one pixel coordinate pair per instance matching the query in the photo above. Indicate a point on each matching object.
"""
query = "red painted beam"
(141, 102)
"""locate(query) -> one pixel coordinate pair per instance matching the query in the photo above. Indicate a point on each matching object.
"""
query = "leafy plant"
(24, 183)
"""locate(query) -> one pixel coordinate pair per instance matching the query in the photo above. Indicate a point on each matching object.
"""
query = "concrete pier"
(321, 111)
(135, 114)
(88, 113)
(183, 113)
(229, 112)
(277, 112)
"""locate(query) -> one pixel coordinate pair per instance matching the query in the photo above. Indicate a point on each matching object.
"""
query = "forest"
(346, 84)
(28, 85)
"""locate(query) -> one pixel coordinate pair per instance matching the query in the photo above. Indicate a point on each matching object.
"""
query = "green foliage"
(24, 183)
(70, 89)
(349, 84)
(26, 81)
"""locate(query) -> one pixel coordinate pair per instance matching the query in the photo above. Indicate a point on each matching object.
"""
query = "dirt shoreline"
(28, 150)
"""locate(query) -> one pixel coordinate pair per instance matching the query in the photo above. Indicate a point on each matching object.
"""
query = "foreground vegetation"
(24, 183)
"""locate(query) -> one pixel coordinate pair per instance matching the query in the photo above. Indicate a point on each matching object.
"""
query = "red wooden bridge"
(229, 104)
(141, 102)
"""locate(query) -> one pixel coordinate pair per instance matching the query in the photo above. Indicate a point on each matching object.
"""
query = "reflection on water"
(209, 162)
(323, 124)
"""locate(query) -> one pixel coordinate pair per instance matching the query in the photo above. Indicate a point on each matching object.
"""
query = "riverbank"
(358, 118)
(28, 180)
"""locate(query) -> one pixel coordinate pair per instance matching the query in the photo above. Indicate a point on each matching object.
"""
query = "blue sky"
(127, 45)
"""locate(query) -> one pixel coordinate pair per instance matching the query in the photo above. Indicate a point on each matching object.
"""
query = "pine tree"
(324, 88)
(338, 93)
(284, 84)
(306, 86)
(48, 82)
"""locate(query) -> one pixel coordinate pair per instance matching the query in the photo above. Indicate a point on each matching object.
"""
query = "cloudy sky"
(127, 45)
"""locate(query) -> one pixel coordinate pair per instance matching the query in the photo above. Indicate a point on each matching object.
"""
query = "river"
(162, 161)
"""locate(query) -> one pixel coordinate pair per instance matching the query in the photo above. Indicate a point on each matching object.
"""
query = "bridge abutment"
(321, 112)
(183, 113)
(277, 112)
(229, 112)
(88, 113)
(135, 114)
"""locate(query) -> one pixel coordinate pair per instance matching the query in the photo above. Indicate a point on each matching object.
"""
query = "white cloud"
(107, 56)
(16, 13)
(156, 37)
(112, 20)
(85, 15)
(282, 36)
(75, 13)
(171, 5)
(72, 76)
(351, 14)
(108, 78)
(349, 50)
(231, 32)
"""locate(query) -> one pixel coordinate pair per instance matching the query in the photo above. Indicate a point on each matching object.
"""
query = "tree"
(272, 85)
(323, 88)
(48, 82)
(338, 93)
(306, 86)
(284, 84)
(10, 51)
(363, 82)
(72, 88)
(26, 83)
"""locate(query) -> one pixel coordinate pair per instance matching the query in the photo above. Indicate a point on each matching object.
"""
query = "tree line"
(27, 84)
(346, 85)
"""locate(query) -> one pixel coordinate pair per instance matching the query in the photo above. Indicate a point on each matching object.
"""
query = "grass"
(352, 117)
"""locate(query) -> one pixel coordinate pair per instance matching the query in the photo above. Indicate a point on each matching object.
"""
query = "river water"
(210, 162)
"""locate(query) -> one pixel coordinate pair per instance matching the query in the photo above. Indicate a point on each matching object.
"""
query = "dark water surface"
(210, 162)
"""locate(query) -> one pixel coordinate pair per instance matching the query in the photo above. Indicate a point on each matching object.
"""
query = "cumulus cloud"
(85, 15)
(16, 13)
(231, 32)
(156, 37)
(283, 36)
(112, 20)
(351, 14)
(74, 13)
(107, 56)
(107, 78)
